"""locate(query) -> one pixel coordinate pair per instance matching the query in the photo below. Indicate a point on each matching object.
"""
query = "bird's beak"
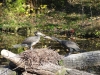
(42, 34)
(48, 37)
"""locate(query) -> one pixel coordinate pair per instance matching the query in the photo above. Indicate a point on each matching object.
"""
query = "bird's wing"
(30, 40)
(71, 44)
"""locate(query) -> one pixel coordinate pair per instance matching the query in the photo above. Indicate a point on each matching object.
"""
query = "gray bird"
(67, 44)
(30, 41)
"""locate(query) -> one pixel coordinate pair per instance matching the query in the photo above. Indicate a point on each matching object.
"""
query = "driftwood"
(49, 62)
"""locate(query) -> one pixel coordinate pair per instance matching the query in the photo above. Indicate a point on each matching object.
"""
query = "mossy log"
(43, 62)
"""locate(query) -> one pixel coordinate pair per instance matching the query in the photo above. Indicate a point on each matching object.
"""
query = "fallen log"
(43, 62)
(82, 60)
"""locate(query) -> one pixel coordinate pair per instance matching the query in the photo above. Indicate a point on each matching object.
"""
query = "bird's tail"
(20, 45)
(81, 51)
(17, 46)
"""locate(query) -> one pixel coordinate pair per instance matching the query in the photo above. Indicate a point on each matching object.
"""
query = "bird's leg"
(70, 50)
(67, 52)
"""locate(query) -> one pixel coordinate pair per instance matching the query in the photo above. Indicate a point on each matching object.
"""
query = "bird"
(30, 41)
(69, 33)
(67, 44)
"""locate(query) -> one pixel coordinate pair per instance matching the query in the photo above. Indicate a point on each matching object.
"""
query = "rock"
(6, 71)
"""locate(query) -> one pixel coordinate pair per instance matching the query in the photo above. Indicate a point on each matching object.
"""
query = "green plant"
(97, 33)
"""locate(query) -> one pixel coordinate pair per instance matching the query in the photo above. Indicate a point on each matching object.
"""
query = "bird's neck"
(57, 39)
(38, 35)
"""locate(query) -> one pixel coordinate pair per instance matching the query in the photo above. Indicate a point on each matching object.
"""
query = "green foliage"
(19, 50)
(53, 20)
(10, 17)
(18, 14)
(61, 63)
(62, 71)
(97, 33)
(16, 6)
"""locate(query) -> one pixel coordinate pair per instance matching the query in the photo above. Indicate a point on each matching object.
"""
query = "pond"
(7, 40)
